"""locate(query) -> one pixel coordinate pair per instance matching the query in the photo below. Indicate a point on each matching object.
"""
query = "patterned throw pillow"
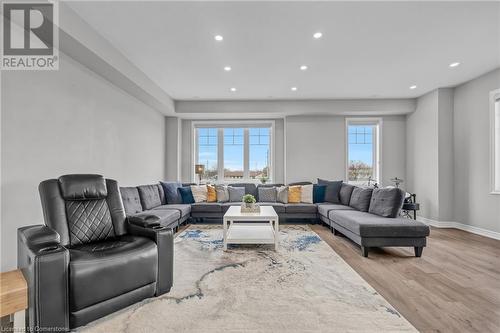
(222, 193)
(306, 194)
(294, 193)
(267, 194)
(211, 194)
(236, 193)
(200, 192)
(282, 194)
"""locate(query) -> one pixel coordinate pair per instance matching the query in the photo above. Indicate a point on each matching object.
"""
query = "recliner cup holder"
(156, 227)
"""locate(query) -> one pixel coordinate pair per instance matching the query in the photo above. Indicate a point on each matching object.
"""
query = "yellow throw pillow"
(294, 194)
(212, 194)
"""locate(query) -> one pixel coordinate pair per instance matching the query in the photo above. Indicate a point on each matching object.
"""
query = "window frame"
(376, 140)
(220, 125)
(494, 142)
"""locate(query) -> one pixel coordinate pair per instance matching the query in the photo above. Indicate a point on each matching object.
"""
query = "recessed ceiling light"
(293, 88)
(317, 35)
(233, 89)
(413, 87)
(454, 64)
(303, 67)
(218, 38)
(227, 68)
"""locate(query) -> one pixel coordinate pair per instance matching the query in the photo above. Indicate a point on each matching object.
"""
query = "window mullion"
(220, 154)
(246, 153)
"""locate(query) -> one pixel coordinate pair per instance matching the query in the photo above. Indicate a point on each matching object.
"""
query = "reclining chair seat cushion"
(102, 270)
(325, 208)
(167, 216)
(278, 206)
(184, 210)
(301, 208)
(206, 207)
(370, 225)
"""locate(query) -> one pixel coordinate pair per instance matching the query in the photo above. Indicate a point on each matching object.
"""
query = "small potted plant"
(264, 179)
(249, 202)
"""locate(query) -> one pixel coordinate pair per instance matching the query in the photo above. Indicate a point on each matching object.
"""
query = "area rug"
(303, 287)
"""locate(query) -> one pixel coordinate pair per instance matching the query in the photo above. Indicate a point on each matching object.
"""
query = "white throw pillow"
(200, 193)
(306, 195)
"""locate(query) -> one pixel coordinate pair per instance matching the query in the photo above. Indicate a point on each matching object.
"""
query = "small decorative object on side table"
(14, 297)
(410, 204)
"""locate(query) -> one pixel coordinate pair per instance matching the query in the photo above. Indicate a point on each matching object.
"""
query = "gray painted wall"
(422, 154)
(69, 121)
(474, 205)
(316, 148)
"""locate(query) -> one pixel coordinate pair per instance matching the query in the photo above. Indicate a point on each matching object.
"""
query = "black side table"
(408, 207)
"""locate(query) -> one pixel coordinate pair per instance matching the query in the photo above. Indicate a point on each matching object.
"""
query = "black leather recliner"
(89, 261)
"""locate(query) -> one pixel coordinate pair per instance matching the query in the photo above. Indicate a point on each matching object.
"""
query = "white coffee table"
(251, 228)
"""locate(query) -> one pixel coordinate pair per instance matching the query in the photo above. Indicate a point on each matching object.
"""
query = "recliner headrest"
(83, 187)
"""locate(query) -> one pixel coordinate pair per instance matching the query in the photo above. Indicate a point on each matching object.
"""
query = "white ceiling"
(368, 50)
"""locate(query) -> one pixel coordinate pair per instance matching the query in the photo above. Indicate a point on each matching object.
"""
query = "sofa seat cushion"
(279, 207)
(325, 208)
(167, 218)
(185, 210)
(301, 208)
(225, 206)
(102, 270)
(206, 207)
(369, 225)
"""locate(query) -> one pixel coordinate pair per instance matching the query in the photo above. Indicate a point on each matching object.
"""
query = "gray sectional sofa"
(369, 217)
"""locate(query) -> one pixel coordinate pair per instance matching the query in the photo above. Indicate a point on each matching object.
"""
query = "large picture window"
(495, 141)
(363, 150)
(234, 152)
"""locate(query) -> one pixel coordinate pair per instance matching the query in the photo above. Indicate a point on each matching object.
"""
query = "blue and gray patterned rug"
(303, 287)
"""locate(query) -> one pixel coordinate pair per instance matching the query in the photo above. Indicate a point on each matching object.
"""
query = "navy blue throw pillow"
(319, 193)
(186, 195)
(171, 194)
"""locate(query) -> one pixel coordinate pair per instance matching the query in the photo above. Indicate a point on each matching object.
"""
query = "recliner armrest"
(145, 221)
(164, 239)
(44, 263)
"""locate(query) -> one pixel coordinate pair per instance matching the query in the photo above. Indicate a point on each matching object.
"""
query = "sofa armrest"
(164, 239)
(44, 263)
(145, 221)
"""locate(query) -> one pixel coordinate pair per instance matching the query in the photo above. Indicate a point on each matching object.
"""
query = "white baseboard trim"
(461, 226)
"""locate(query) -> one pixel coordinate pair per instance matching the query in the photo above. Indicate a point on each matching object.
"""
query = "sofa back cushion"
(236, 193)
(250, 188)
(172, 195)
(300, 183)
(332, 190)
(345, 193)
(222, 193)
(267, 194)
(150, 196)
(131, 200)
(360, 198)
(386, 202)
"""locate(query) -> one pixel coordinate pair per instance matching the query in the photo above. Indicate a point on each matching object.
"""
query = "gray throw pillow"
(282, 194)
(386, 202)
(332, 190)
(172, 195)
(236, 193)
(267, 194)
(345, 193)
(222, 193)
(360, 198)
